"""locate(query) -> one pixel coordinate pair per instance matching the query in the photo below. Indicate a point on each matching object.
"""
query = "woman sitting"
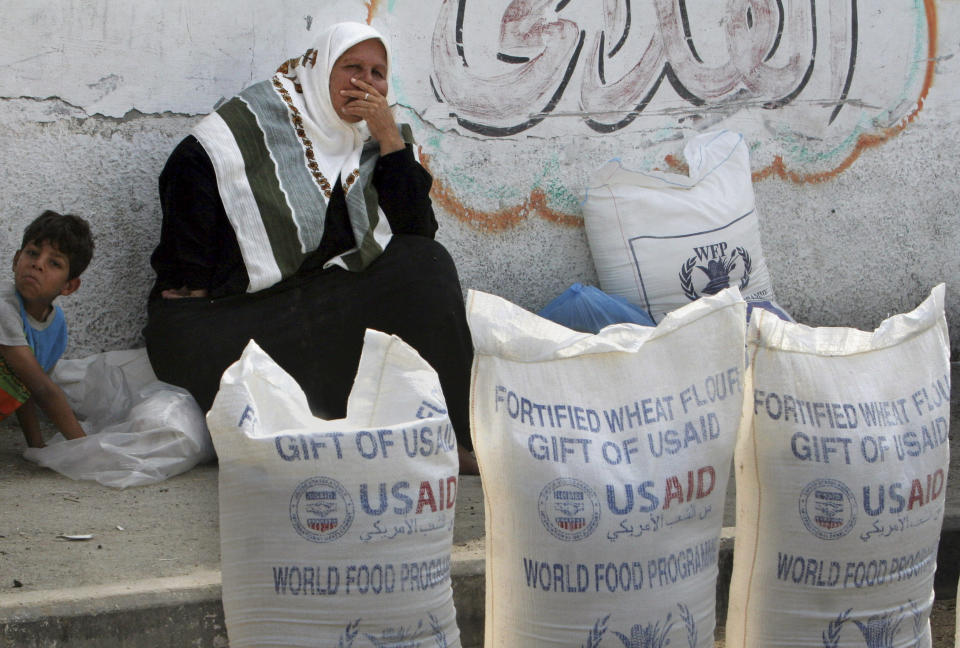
(297, 215)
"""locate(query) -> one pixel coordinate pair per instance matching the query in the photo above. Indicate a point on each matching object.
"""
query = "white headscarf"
(336, 143)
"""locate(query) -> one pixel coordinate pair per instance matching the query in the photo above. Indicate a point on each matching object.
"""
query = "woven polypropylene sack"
(841, 470)
(605, 461)
(336, 533)
(661, 240)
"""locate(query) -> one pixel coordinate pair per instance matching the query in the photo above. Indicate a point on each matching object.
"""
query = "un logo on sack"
(321, 509)
(828, 509)
(717, 268)
(569, 509)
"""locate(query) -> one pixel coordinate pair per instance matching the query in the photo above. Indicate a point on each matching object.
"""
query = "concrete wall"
(850, 108)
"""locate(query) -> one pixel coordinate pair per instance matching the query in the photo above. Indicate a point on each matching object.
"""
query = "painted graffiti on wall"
(545, 48)
(515, 102)
(810, 83)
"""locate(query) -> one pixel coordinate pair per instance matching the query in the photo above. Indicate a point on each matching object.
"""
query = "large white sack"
(336, 533)
(661, 240)
(605, 461)
(140, 430)
(841, 473)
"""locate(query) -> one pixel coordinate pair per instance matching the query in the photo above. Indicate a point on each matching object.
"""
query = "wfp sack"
(605, 461)
(336, 533)
(662, 240)
(841, 473)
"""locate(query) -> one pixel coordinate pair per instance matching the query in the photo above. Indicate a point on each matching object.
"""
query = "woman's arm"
(404, 193)
(402, 184)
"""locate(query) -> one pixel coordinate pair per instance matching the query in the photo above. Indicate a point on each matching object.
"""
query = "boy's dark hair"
(68, 233)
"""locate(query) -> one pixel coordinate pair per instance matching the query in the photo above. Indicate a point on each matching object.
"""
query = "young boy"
(56, 248)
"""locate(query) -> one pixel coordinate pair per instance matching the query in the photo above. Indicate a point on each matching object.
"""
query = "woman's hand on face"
(371, 106)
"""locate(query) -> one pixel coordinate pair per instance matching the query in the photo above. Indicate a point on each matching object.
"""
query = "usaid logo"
(321, 510)
(569, 509)
(711, 269)
(828, 509)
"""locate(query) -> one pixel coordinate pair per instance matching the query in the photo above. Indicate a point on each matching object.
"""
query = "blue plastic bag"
(588, 309)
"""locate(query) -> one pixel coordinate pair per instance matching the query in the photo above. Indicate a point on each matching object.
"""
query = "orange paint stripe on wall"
(501, 219)
(867, 140)
(372, 7)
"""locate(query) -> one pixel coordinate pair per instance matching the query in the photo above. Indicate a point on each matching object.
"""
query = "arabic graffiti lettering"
(768, 55)
(739, 54)
(810, 83)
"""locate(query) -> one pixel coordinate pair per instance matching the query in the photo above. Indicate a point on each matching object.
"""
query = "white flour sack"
(841, 469)
(605, 461)
(336, 533)
(661, 240)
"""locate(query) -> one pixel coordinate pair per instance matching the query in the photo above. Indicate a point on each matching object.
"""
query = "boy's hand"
(27, 415)
(43, 391)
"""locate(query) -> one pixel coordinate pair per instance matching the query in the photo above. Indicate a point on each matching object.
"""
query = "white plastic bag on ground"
(605, 461)
(336, 533)
(660, 240)
(841, 470)
(140, 430)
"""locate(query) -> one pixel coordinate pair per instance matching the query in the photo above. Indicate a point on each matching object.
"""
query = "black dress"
(312, 324)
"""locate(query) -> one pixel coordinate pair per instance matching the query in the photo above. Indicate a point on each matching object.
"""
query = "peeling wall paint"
(848, 106)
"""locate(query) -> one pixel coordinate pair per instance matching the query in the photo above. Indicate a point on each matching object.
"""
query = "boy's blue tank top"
(47, 344)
